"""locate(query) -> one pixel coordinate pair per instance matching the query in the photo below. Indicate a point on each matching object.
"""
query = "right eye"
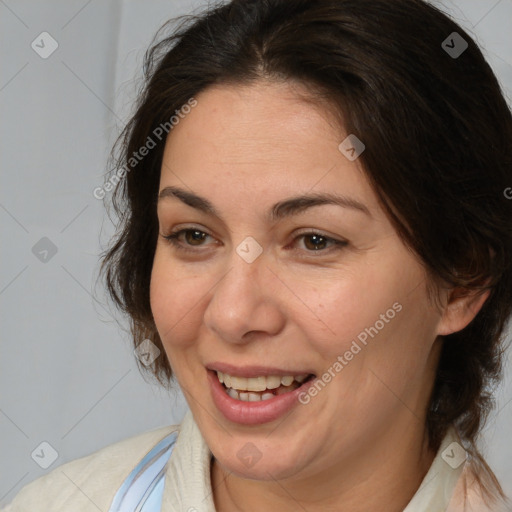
(191, 235)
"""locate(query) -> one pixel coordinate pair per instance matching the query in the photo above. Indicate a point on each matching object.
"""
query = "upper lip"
(254, 370)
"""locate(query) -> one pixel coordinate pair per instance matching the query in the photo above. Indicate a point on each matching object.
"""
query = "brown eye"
(317, 241)
(322, 244)
(192, 236)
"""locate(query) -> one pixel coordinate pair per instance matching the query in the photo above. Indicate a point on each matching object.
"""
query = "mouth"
(261, 388)
(256, 395)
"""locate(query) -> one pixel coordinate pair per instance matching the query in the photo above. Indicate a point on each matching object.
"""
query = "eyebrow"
(285, 208)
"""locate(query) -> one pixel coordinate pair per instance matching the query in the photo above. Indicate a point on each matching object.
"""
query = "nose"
(246, 300)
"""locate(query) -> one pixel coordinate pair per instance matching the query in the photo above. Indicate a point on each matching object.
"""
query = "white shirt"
(90, 483)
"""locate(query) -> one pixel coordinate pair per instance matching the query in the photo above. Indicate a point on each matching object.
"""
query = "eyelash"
(172, 238)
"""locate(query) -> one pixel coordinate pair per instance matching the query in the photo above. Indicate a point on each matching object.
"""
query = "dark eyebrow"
(286, 208)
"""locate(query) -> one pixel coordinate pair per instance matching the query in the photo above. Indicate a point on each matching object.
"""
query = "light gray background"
(67, 371)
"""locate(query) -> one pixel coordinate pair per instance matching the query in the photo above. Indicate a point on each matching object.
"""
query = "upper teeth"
(258, 383)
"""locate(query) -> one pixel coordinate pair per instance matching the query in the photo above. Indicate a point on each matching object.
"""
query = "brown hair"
(437, 131)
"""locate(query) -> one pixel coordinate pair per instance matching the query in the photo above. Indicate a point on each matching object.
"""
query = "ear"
(461, 308)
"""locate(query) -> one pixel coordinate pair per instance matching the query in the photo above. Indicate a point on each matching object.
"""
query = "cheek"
(175, 301)
(353, 306)
(376, 318)
(382, 357)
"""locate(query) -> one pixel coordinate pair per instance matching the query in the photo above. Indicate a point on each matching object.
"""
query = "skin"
(361, 442)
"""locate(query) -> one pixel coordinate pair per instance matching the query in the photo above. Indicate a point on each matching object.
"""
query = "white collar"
(438, 485)
(187, 478)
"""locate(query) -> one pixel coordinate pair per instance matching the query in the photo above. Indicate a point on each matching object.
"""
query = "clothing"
(91, 483)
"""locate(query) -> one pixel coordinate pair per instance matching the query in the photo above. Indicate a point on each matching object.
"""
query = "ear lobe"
(461, 309)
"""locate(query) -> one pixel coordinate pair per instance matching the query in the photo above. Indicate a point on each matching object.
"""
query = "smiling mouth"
(256, 389)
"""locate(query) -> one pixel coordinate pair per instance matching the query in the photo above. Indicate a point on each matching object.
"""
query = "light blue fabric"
(142, 490)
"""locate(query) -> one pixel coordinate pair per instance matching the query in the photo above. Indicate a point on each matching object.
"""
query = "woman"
(316, 235)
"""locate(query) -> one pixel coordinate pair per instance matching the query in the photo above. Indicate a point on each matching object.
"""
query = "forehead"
(255, 123)
(265, 138)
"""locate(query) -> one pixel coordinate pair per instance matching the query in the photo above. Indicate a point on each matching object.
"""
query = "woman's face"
(264, 290)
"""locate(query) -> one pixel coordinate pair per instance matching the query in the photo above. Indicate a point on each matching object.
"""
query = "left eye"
(195, 237)
(318, 241)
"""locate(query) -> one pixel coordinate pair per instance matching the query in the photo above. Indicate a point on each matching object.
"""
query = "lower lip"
(253, 413)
